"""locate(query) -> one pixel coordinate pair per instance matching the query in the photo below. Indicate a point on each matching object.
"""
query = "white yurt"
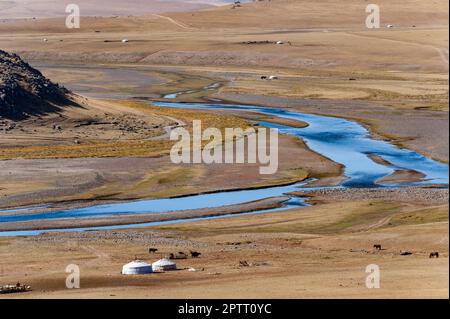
(164, 265)
(137, 267)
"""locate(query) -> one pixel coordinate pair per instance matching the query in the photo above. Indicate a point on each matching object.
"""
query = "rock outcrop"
(25, 92)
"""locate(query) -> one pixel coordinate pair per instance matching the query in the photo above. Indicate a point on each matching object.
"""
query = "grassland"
(320, 251)
(392, 80)
(102, 148)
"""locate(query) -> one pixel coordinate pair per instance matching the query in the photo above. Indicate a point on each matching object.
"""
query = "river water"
(343, 141)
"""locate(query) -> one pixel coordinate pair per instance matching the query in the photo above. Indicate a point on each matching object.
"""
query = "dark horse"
(377, 247)
(434, 254)
(195, 254)
(152, 250)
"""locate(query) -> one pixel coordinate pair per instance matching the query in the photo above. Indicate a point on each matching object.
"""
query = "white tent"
(137, 267)
(163, 265)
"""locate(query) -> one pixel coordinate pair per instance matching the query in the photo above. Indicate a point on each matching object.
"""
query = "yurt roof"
(163, 262)
(136, 264)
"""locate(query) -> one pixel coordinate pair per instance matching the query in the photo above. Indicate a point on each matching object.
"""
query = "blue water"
(157, 205)
(345, 142)
(169, 222)
(340, 140)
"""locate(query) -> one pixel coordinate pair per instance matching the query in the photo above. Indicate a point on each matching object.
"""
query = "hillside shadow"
(22, 104)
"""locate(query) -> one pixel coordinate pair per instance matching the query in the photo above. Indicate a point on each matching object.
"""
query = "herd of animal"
(196, 254)
(179, 255)
(433, 254)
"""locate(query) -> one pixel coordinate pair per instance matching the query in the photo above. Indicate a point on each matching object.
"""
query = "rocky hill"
(24, 91)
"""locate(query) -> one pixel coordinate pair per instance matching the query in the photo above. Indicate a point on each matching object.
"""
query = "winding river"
(343, 141)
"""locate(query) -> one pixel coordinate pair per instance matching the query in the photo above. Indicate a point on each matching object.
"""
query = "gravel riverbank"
(431, 196)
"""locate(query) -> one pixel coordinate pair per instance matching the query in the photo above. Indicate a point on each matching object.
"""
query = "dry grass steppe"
(392, 80)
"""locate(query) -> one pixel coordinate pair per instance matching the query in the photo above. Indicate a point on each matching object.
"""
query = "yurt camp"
(137, 267)
(164, 265)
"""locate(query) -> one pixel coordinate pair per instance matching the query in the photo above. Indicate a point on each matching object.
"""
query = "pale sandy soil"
(410, 122)
(322, 251)
(27, 182)
(398, 90)
(401, 74)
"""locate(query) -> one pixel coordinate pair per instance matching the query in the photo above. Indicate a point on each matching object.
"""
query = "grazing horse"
(152, 250)
(195, 254)
(377, 247)
(434, 254)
